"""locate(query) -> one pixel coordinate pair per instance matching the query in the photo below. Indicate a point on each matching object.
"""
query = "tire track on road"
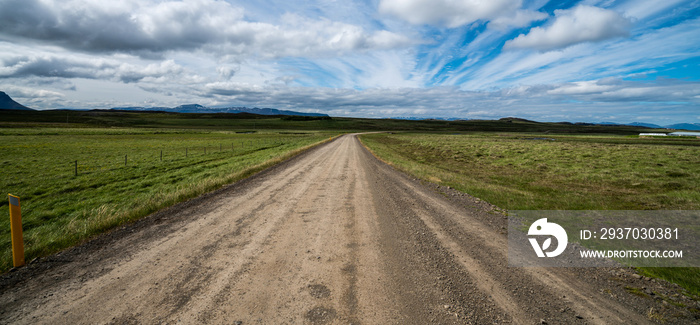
(333, 236)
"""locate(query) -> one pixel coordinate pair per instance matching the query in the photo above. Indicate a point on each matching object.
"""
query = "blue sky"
(592, 61)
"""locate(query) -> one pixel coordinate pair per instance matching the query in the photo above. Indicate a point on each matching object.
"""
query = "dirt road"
(332, 236)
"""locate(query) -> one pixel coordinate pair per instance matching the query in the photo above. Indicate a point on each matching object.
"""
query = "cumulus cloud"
(520, 18)
(31, 93)
(170, 52)
(149, 28)
(32, 97)
(226, 72)
(70, 67)
(613, 90)
(591, 100)
(234, 89)
(453, 102)
(129, 73)
(449, 13)
(573, 26)
(582, 88)
(53, 67)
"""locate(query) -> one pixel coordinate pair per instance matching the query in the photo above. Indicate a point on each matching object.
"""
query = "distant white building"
(652, 134)
(685, 134)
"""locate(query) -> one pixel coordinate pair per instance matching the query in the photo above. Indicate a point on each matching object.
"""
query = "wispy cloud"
(577, 25)
(150, 29)
(583, 60)
(452, 14)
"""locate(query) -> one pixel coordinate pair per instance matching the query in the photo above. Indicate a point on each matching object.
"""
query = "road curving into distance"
(333, 236)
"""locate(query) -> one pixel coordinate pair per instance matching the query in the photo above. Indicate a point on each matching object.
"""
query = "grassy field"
(558, 172)
(579, 169)
(60, 209)
(103, 118)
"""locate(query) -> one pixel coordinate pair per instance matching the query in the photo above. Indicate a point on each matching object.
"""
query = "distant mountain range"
(8, 103)
(196, 108)
(677, 126)
(416, 118)
(685, 126)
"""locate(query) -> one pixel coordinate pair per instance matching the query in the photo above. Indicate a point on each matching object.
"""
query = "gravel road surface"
(333, 236)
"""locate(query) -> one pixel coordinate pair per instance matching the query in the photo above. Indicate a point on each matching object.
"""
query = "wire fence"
(199, 153)
(65, 163)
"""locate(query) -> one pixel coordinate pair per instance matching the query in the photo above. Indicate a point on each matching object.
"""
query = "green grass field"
(525, 171)
(106, 118)
(580, 169)
(60, 209)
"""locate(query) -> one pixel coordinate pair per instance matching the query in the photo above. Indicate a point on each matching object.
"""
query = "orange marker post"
(16, 230)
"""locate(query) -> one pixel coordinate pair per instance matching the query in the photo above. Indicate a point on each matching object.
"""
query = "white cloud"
(509, 65)
(379, 69)
(612, 90)
(347, 59)
(450, 13)
(581, 88)
(226, 72)
(31, 93)
(152, 29)
(597, 60)
(520, 18)
(573, 26)
(592, 100)
(643, 9)
(67, 66)
(32, 97)
(602, 96)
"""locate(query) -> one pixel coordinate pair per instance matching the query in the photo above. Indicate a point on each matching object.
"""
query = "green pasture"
(535, 172)
(60, 209)
(217, 121)
(529, 171)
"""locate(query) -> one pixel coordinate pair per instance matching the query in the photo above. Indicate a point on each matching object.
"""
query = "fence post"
(185, 152)
(125, 160)
(16, 231)
(76, 168)
(161, 155)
